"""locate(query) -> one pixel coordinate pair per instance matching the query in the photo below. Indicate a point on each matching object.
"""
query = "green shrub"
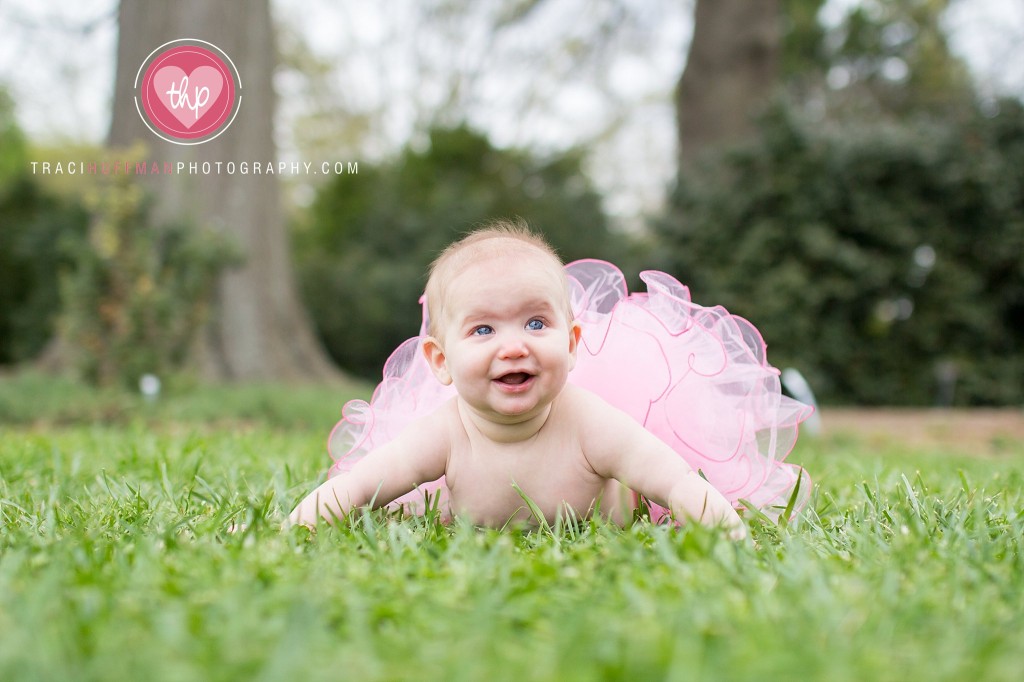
(136, 293)
(33, 223)
(876, 258)
(363, 252)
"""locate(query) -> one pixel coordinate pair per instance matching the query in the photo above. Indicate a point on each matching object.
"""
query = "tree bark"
(731, 70)
(257, 327)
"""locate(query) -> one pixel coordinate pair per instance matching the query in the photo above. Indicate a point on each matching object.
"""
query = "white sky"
(62, 78)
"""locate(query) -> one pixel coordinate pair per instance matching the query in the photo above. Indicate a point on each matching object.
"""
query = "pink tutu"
(695, 377)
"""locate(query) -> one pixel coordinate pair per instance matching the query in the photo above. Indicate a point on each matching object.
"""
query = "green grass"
(28, 398)
(117, 562)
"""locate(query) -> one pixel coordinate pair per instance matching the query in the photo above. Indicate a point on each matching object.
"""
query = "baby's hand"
(694, 498)
(737, 530)
(305, 514)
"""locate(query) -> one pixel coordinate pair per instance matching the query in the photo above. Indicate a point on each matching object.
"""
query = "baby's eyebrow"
(530, 304)
(474, 318)
(541, 303)
(484, 314)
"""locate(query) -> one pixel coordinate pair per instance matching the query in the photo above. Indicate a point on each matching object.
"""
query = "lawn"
(118, 562)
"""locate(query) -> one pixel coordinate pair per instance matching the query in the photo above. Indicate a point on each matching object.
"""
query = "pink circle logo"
(188, 91)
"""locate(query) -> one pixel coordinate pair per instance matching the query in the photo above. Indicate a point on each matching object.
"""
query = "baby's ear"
(434, 354)
(574, 342)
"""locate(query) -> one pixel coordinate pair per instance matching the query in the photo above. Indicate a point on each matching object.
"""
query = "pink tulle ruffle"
(695, 377)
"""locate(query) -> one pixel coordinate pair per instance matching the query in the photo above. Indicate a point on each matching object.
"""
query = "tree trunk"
(731, 70)
(257, 327)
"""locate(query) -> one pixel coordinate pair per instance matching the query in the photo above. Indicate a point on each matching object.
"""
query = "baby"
(501, 330)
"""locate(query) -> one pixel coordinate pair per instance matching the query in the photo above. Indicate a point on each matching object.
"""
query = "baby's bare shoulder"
(438, 426)
(593, 417)
(577, 399)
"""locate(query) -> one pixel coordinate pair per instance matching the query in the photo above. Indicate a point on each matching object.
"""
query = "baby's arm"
(620, 448)
(417, 455)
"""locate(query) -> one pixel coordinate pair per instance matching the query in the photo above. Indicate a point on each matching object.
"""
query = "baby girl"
(501, 330)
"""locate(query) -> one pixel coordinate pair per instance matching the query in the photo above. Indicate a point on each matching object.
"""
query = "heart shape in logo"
(188, 96)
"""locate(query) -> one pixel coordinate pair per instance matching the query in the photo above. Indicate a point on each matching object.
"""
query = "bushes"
(33, 224)
(136, 293)
(364, 250)
(886, 262)
(126, 296)
(882, 261)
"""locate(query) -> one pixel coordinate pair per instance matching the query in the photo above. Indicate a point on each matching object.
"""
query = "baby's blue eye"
(482, 330)
(535, 325)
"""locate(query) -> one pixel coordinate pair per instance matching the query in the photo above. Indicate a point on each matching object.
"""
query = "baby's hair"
(499, 237)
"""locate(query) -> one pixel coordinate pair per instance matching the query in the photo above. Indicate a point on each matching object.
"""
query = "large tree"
(257, 329)
(731, 69)
(879, 59)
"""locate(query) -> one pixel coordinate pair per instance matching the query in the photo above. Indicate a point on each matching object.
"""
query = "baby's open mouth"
(514, 378)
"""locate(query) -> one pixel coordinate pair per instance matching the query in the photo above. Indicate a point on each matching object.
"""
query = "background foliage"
(881, 258)
(363, 252)
(872, 256)
(888, 58)
(33, 224)
(136, 294)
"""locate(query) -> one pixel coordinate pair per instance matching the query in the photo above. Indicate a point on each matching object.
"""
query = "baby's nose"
(513, 346)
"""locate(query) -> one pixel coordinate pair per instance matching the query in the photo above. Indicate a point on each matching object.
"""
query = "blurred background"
(847, 175)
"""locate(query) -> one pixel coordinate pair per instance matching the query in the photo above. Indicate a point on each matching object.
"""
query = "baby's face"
(506, 341)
